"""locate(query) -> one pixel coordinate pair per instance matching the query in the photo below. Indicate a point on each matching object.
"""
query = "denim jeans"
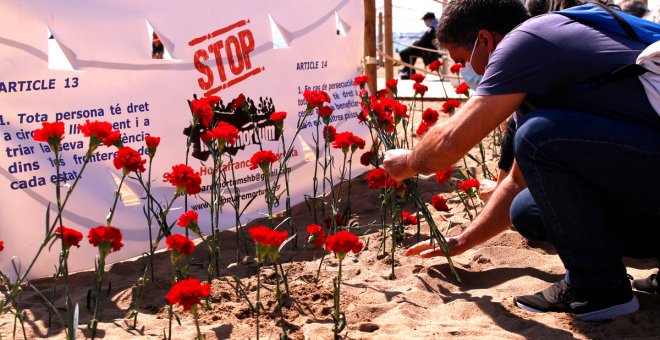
(593, 183)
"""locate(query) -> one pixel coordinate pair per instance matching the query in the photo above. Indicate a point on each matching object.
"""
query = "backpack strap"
(630, 70)
(622, 22)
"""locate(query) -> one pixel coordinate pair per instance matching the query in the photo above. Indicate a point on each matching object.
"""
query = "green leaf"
(285, 242)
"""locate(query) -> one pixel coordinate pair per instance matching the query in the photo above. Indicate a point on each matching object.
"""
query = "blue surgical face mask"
(470, 76)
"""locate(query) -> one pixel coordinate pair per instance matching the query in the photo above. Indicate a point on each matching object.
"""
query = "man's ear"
(488, 39)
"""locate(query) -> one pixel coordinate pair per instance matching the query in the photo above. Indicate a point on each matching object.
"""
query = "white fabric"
(650, 60)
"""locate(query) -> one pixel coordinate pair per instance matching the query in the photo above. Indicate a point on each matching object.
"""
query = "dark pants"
(593, 191)
(409, 55)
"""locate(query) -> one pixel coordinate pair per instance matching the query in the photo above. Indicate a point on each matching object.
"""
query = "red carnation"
(224, 133)
(407, 219)
(108, 239)
(278, 116)
(179, 243)
(469, 184)
(316, 235)
(455, 68)
(202, 109)
(435, 65)
(185, 179)
(361, 80)
(420, 89)
(342, 242)
(267, 241)
(263, 160)
(443, 176)
(129, 160)
(188, 293)
(96, 131)
(339, 221)
(392, 83)
(2, 245)
(238, 102)
(439, 203)
(152, 145)
(417, 77)
(450, 106)
(325, 112)
(190, 220)
(463, 89)
(367, 158)
(430, 116)
(329, 133)
(51, 133)
(346, 140)
(315, 98)
(377, 178)
(113, 139)
(423, 127)
(71, 237)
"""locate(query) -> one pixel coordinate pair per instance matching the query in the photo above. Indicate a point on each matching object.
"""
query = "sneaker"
(648, 285)
(594, 306)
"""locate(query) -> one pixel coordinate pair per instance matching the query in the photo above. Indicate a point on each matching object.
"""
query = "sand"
(424, 301)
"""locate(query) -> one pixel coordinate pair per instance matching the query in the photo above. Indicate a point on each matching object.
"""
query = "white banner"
(98, 66)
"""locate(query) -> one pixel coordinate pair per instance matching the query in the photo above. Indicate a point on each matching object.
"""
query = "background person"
(409, 54)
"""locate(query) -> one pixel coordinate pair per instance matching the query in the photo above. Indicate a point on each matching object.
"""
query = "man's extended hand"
(425, 249)
(396, 163)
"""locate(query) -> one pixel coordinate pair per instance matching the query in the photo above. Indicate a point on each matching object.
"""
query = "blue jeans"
(593, 181)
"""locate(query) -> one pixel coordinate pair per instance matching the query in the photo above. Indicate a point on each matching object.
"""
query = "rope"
(419, 48)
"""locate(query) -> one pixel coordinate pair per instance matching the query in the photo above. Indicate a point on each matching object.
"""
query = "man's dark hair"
(538, 7)
(462, 19)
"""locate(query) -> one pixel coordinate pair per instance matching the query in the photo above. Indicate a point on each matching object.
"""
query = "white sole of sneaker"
(599, 315)
(611, 312)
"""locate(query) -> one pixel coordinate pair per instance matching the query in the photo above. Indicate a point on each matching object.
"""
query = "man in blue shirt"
(581, 154)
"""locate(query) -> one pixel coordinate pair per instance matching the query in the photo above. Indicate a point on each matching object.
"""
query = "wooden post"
(370, 43)
(389, 72)
(380, 38)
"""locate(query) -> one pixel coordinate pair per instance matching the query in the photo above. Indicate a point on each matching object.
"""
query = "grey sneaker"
(587, 306)
(648, 285)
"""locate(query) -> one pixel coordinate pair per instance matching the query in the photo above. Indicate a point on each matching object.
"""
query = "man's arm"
(444, 144)
(493, 220)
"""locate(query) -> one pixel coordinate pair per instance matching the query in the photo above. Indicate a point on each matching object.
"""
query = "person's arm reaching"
(493, 220)
(444, 144)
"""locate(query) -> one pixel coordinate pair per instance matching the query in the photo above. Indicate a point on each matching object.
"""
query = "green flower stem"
(97, 292)
(193, 309)
(280, 299)
(108, 220)
(258, 302)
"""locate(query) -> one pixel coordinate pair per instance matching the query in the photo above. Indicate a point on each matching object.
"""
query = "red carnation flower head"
(430, 116)
(339, 221)
(106, 238)
(329, 133)
(190, 220)
(51, 133)
(278, 118)
(316, 235)
(435, 65)
(152, 145)
(420, 89)
(238, 102)
(382, 93)
(188, 293)
(391, 84)
(185, 179)
(2, 245)
(315, 98)
(180, 245)
(450, 106)
(377, 178)
(206, 137)
(443, 176)
(263, 160)
(342, 242)
(361, 80)
(456, 68)
(113, 139)
(70, 236)
(439, 203)
(129, 160)
(463, 88)
(202, 109)
(423, 127)
(469, 184)
(267, 241)
(417, 77)
(407, 219)
(224, 133)
(325, 112)
(96, 131)
(347, 140)
(367, 158)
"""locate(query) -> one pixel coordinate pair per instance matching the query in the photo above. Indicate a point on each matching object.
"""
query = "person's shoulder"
(544, 23)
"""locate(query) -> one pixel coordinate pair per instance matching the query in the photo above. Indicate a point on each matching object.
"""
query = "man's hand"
(426, 250)
(396, 163)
